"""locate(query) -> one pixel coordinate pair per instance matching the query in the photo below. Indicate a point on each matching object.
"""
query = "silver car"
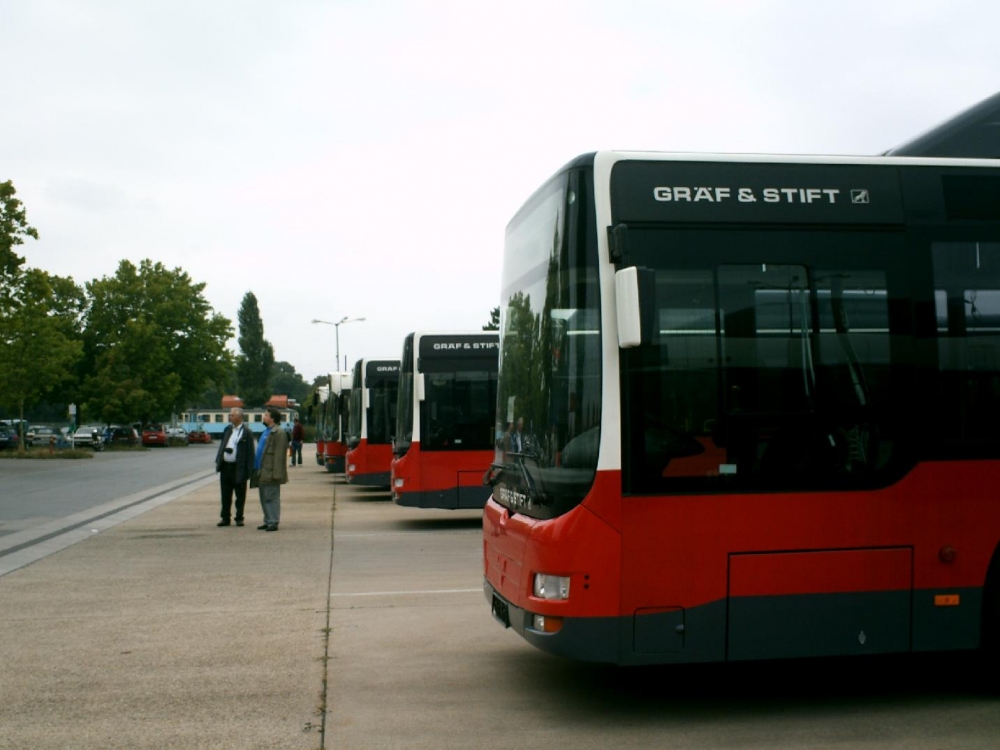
(41, 435)
(84, 435)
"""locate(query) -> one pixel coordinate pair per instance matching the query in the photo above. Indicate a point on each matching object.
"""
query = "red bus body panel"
(334, 456)
(369, 464)
(920, 547)
(433, 478)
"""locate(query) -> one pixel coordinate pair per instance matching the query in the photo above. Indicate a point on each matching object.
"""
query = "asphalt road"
(38, 491)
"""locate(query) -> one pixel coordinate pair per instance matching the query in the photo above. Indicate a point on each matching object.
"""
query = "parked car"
(154, 434)
(122, 435)
(84, 435)
(40, 435)
(198, 435)
(8, 437)
(177, 436)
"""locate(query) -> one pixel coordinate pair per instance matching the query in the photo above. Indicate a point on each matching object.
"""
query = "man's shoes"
(239, 521)
(262, 527)
(272, 528)
(222, 523)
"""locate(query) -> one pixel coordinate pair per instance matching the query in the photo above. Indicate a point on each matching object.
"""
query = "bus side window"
(968, 328)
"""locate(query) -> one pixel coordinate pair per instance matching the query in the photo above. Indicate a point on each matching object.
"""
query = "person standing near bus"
(270, 462)
(517, 441)
(298, 437)
(234, 463)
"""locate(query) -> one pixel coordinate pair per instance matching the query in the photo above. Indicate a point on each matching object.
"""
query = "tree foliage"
(39, 317)
(39, 338)
(253, 366)
(153, 344)
(13, 229)
(285, 380)
(494, 324)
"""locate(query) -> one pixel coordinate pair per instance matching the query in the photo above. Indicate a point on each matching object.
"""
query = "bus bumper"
(594, 639)
(454, 498)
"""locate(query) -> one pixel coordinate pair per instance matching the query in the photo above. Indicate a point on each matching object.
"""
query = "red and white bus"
(444, 438)
(333, 450)
(372, 418)
(760, 399)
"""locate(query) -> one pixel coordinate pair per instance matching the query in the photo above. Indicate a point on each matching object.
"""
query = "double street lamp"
(337, 326)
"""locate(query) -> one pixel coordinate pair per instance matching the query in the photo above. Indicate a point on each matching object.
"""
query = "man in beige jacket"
(273, 467)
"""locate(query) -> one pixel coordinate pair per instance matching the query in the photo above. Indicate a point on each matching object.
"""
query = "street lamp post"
(336, 327)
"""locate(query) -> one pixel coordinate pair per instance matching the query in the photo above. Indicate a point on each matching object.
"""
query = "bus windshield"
(354, 408)
(549, 405)
(459, 372)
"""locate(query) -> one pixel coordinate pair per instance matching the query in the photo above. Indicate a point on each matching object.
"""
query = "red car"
(199, 436)
(154, 434)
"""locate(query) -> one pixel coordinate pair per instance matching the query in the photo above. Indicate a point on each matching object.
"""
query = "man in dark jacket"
(234, 463)
(298, 437)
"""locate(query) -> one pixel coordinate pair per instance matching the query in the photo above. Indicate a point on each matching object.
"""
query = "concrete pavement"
(166, 631)
(372, 633)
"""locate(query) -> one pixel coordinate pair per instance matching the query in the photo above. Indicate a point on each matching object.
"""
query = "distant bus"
(374, 393)
(335, 422)
(444, 437)
(760, 399)
(214, 421)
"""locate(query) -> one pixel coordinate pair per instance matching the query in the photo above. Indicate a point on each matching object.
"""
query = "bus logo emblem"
(859, 196)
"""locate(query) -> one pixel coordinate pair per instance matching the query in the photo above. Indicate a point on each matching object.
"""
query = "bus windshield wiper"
(534, 494)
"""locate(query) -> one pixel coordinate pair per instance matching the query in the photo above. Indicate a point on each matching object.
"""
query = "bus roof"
(973, 133)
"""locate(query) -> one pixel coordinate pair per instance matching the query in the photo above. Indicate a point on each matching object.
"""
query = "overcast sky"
(362, 158)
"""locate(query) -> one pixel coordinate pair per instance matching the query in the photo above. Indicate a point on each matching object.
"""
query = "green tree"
(285, 380)
(494, 324)
(39, 338)
(153, 344)
(253, 366)
(39, 317)
(13, 229)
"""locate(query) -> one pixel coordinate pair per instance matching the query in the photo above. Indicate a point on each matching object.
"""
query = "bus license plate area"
(501, 611)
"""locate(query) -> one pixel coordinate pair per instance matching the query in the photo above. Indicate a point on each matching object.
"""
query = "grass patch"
(43, 455)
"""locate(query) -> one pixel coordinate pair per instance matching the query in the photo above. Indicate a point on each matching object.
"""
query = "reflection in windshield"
(549, 384)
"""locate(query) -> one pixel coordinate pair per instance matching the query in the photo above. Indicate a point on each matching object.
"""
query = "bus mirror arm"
(493, 474)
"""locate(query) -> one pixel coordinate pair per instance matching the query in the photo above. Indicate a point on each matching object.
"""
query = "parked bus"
(760, 398)
(335, 423)
(444, 436)
(372, 418)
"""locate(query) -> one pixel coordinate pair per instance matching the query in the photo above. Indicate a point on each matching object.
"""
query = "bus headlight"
(397, 483)
(551, 587)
